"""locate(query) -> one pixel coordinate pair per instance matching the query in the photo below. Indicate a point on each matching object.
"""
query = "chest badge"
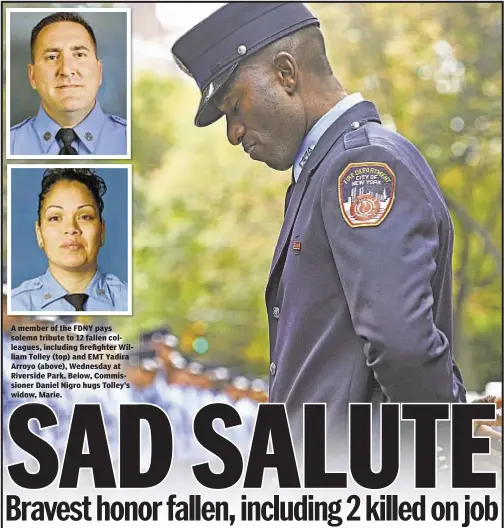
(366, 192)
(296, 246)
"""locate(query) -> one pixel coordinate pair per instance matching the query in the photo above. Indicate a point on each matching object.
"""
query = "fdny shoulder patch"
(366, 193)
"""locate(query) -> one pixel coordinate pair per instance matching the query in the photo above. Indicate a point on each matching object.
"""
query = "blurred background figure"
(493, 430)
(142, 367)
(153, 359)
(238, 386)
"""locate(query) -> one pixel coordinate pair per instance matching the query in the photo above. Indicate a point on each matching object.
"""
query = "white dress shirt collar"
(318, 129)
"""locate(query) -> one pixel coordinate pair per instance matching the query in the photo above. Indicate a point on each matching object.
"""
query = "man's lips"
(66, 86)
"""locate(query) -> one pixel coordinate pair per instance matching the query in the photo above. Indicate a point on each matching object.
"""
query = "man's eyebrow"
(78, 48)
(47, 50)
(72, 48)
(221, 96)
(226, 90)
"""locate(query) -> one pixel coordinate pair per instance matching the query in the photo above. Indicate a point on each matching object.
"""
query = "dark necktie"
(67, 135)
(77, 300)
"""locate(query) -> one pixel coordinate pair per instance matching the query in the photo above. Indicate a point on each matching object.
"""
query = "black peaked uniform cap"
(212, 50)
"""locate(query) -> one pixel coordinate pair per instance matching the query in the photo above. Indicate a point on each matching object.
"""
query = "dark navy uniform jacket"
(357, 312)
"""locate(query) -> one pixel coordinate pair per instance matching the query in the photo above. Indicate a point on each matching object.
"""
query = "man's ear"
(38, 233)
(31, 76)
(287, 71)
(100, 65)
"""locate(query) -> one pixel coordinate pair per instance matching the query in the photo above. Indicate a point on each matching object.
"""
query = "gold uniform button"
(47, 296)
(101, 292)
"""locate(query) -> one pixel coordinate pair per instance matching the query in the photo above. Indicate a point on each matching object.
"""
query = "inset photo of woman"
(69, 239)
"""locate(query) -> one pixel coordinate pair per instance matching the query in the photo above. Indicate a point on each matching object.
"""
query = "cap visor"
(208, 112)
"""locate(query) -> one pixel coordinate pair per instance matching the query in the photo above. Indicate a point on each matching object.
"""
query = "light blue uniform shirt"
(97, 134)
(318, 129)
(106, 293)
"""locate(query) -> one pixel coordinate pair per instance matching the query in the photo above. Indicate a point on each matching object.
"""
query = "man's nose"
(67, 65)
(235, 131)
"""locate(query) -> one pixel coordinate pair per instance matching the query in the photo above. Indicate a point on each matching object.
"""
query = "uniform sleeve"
(122, 299)
(13, 132)
(386, 271)
(118, 292)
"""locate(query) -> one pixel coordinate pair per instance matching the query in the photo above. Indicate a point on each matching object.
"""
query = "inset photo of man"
(68, 83)
(69, 239)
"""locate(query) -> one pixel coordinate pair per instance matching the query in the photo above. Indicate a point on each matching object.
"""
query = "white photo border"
(10, 10)
(97, 167)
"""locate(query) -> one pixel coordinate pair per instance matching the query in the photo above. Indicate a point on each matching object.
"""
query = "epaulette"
(118, 119)
(22, 123)
(356, 136)
(27, 285)
(114, 280)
